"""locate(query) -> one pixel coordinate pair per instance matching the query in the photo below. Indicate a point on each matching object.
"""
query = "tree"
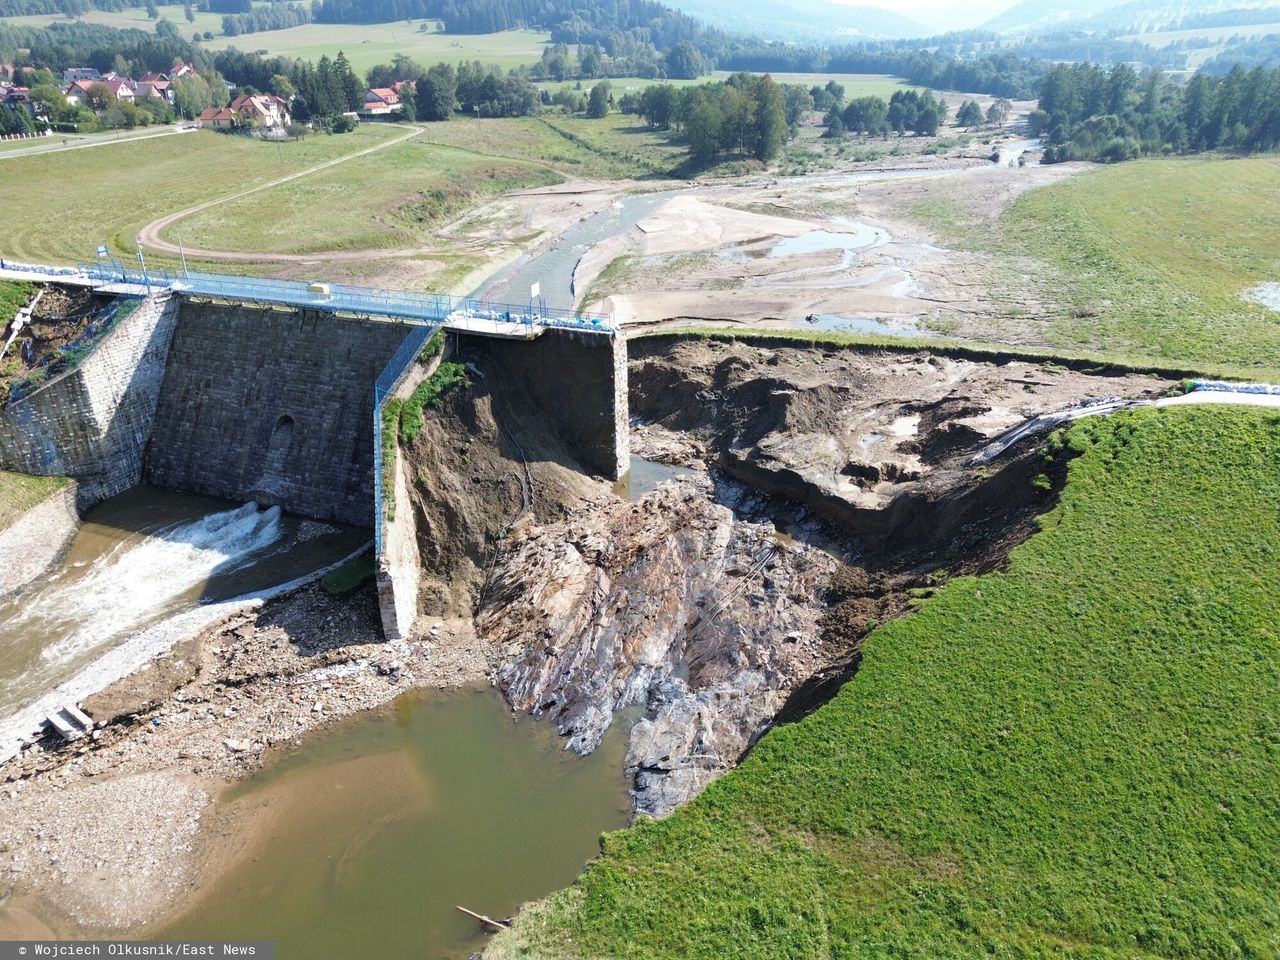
(797, 101)
(867, 115)
(970, 114)
(434, 101)
(703, 128)
(281, 86)
(770, 131)
(998, 112)
(598, 102)
(189, 13)
(590, 64)
(657, 105)
(684, 62)
(99, 97)
(153, 12)
(350, 92)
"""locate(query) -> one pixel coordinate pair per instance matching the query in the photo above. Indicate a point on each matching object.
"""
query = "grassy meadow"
(1150, 259)
(366, 44)
(133, 18)
(73, 200)
(1074, 758)
(387, 199)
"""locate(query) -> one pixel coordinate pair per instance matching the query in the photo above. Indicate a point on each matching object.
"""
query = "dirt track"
(150, 235)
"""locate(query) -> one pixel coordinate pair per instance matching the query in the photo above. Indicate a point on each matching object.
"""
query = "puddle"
(1267, 294)
(831, 321)
(644, 476)
(856, 236)
(363, 841)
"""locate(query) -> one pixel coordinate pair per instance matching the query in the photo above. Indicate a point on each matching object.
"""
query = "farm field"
(1152, 258)
(136, 182)
(1217, 39)
(367, 44)
(1072, 758)
(134, 18)
(615, 147)
(387, 199)
(855, 84)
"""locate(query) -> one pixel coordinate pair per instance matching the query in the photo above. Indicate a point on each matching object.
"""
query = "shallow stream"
(143, 556)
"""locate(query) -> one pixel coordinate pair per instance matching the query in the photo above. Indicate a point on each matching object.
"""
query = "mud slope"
(487, 459)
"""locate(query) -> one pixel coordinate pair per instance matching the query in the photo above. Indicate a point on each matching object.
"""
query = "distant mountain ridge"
(1124, 16)
(803, 19)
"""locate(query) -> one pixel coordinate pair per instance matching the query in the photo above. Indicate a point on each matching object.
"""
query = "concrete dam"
(273, 401)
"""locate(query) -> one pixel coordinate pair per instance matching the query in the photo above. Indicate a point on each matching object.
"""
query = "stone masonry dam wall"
(92, 422)
(271, 405)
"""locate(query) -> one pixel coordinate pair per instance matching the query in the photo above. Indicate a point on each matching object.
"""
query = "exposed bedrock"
(706, 621)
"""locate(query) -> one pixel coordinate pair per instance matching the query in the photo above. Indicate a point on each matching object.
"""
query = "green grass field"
(1078, 757)
(388, 199)
(855, 85)
(20, 492)
(133, 17)
(616, 147)
(1151, 257)
(372, 43)
(73, 200)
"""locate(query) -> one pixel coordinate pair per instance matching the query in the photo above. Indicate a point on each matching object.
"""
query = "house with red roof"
(380, 102)
(262, 110)
(217, 118)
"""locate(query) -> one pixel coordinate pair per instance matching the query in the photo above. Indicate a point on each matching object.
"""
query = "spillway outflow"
(88, 606)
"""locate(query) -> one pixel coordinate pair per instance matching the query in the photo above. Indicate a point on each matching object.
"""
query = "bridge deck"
(454, 313)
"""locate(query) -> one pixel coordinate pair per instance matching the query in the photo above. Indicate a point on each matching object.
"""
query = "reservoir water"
(140, 557)
(364, 840)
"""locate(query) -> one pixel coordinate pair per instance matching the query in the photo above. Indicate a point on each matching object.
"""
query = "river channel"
(364, 840)
(143, 556)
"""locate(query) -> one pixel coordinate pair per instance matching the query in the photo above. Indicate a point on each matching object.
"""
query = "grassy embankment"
(20, 492)
(388, 199)
(1076, 757)
(1150, 258)
(73, 200)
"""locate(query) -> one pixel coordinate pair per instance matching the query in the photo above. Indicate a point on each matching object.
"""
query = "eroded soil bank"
(824, 489)
(828, 486)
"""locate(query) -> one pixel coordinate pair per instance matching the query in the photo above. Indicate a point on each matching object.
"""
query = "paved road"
(55, 143)
(1047, 421)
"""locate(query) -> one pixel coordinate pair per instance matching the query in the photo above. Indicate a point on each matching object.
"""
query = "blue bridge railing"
(400, 362)
(403, 305)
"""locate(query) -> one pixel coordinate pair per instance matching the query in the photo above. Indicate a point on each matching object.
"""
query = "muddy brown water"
(139, 558)
(363, 841)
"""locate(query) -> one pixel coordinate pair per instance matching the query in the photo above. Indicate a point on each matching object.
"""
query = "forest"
(1088, 113)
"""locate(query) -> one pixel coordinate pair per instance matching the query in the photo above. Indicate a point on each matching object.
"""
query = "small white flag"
(535, 291)
(102, 251)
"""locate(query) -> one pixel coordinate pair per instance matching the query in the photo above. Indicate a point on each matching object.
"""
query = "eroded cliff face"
(824, 486)
(705, 620)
